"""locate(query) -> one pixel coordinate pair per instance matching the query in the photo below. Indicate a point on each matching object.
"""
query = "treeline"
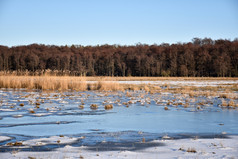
(201, 57)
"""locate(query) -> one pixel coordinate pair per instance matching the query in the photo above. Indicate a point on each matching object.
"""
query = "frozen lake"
(196, 83)
(134, 114)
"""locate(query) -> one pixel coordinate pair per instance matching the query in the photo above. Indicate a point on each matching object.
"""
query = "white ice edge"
(4, 138)
(206, 148)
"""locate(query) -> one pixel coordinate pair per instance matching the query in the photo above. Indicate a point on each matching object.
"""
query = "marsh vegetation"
(100, 112)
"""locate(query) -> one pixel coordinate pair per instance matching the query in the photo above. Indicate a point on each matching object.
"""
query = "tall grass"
(43, 82)
(82, 83)
(60, 83)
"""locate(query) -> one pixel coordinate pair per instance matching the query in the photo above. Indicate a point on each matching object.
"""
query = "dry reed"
(224, 103)
(108, 107)
(22, 104)
(82, 83)
(192, 150)
(94, 106)
(231, 103)
(60, 83)
(14, 143)
(81, 106)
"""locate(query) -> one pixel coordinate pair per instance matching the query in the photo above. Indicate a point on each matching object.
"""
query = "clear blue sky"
(125, 22)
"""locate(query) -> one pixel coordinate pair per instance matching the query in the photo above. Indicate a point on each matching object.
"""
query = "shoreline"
(64, 83)
(216, 147)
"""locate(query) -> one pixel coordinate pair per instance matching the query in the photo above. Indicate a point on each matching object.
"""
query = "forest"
(198, 58)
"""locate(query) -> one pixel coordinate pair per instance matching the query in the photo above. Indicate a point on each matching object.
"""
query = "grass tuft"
(81, 107)
(94, 106)
(22, 104)
(231, 103)
(108, 106)
(192, 150)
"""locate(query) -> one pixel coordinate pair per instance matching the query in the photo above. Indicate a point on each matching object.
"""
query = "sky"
(123, 22)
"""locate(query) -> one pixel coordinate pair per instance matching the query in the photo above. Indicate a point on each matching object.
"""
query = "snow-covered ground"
(196, 83)
(4, 138)
(203, 148)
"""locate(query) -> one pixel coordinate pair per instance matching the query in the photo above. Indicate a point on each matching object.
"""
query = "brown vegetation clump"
(125, 103)
(32, 111)
(206, 93)
(231, 103)
(22, 104)
(105, 86)
(146, 88)
(186, 105)
(133, 87)
(130, 102)
(224, 95)
(192, 150)
(81, 106)
(128, 94)
(224, 103)
(108, 106)
(14, 144)
(169, 103)
(200, 103)
(143, 140)
(191, 93)
(94, 106)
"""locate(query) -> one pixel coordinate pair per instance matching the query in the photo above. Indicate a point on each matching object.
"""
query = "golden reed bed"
(82, 83)
(55, 83)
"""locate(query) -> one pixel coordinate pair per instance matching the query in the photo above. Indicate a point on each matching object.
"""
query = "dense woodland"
(201, 57)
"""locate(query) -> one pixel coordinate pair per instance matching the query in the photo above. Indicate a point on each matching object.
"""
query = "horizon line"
(118, 44)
